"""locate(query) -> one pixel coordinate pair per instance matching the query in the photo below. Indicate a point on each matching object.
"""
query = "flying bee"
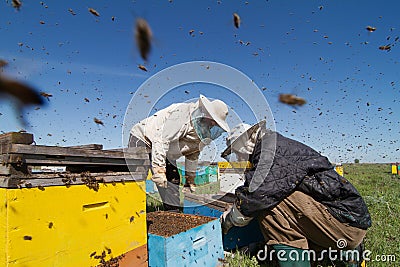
(46, 95)
(236, 20)
(292, 100)
(370, 28)
(24, 94)
(71, 11)
(143, 68)
(16, 4)
(385, 47)
(20, 183)
(143, 36)
(94, 12)
(3, 63)
(97, 121)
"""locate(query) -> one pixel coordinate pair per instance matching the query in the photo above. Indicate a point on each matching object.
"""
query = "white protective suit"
(170, 134)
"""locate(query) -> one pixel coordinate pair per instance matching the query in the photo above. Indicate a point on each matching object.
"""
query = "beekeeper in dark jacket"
(300, 201)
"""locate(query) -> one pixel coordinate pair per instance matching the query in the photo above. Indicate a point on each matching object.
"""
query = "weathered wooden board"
(135, 153)
(57, 179)
(66, 160)
(89, 146)
(16, 138)
(16, 158)
(216, 201)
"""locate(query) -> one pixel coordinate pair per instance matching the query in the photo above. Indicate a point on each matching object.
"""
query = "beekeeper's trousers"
(300, 221)
(169, 195)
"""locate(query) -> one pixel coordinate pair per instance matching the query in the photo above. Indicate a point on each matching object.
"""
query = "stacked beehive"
(92, 214)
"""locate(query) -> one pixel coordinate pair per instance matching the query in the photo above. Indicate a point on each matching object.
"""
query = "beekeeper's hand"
(160, 179)
(226, 223)
(233, 217)
(189, 183)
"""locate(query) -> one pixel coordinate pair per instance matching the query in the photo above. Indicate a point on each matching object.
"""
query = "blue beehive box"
(204, 174)
(237, 237)
(150, 187)
(198, 246)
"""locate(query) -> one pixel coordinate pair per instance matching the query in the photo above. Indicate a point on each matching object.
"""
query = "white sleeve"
(169, 129)
(191, 162)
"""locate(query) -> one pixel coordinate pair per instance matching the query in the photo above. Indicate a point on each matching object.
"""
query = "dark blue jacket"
(282, 165)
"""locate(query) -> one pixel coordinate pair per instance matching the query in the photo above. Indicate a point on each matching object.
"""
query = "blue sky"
(319, 50)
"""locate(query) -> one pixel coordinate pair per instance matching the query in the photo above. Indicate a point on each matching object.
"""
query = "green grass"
(381, 191)
(210, 188)
(240, 259)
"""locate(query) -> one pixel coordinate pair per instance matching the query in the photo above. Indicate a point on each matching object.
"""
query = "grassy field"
(381, 192)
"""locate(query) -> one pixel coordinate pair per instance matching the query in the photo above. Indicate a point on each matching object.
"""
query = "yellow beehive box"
(235, 164)
(72, 226)
(71, 206)
(394, 168)
(339, 169)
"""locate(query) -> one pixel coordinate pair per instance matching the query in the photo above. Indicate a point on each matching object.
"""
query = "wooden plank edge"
(134, 153)
(28, 182)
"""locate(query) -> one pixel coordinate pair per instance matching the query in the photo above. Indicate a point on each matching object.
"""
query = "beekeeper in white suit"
(182, 129)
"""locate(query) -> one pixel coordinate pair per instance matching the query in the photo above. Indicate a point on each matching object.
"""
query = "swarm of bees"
(90, 181)
(143, 36)
(113, 262)
(291, 100)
